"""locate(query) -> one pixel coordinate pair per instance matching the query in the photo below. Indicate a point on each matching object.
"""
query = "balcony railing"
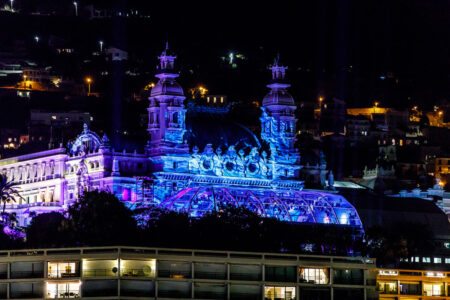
(246, 276)
(27, 274)
(244, 296)
(99, 273)
(63, 275)
(63, 295)
(210, 275)
(174, 274)
(173, 294)
(137, 293)
(25, 295)
(210, 295)
(126, 272)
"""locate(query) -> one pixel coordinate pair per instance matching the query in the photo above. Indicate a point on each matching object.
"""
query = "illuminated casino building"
(192, 176)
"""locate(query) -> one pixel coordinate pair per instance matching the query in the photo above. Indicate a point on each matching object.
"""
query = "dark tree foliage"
(403, 240)
(48, 230)
(100, 219)
(241, 229)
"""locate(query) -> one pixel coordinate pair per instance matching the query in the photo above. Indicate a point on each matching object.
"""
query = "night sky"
(393, 52)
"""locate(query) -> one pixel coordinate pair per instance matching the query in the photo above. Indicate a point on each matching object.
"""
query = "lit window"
(317, 276)
(447, 260)
(433, 289)
(279, 292)
(53, 117)
(215, 99)
(426, 259)
(62, 269)
(207, 99)
(63, 290)
(10, 140)
(221, 99)
(437, 260)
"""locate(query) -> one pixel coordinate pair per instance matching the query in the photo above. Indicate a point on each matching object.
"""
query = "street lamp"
(89, 81)
(11, 6)
(36, 38)
(101, 46)
(76, 8)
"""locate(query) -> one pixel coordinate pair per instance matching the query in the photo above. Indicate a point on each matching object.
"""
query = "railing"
(27, 274)
(99, 273)
(355, 281)
(246, 276)
(100, 292)
(63, 275)
(23, 295)
(210, 275)
(244, 296)
(173, 294)
(68, 294)
(137, 293)
(174, 274)
(210, 295)
(135, 273)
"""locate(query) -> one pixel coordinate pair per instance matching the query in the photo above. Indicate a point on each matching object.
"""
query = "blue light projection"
(284, 205)
(208, 179)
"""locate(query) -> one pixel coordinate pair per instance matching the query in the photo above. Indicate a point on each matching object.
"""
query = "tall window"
(63, 290)
(62, 269)
(314, 275)
(279, 293)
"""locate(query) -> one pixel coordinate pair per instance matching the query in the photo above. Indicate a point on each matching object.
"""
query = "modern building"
(157, 273)
(394, 284)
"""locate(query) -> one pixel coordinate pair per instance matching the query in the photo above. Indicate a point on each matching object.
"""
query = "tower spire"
(278, 124)
(166, 111)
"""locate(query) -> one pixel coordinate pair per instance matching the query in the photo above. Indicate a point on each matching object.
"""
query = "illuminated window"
(221, 99)
(437, 260)
(138, 268)
(207, 99)
(278, 292)
(447, 260)
(387, 287)
(430, 289)
(215, 99)
(53, 117)
(312, 275)
(63, 290)
(426, 259)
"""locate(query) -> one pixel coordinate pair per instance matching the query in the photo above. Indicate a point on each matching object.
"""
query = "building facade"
(187, 178)
(156, 273)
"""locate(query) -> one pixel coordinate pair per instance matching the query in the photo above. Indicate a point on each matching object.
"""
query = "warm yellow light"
(441, 112)
(320, 99)
(376, 104)
(88, 79)
(415, 107)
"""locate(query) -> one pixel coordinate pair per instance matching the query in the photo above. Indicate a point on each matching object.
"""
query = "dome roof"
(167, 87)
(278, 97)
(284, 205)
(212, 128)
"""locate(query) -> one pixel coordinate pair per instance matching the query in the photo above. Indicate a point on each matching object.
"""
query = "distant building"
(116, 54)
(60, 118)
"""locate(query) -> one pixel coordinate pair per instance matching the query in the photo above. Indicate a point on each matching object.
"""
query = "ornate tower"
(166, 112)
(278, 126)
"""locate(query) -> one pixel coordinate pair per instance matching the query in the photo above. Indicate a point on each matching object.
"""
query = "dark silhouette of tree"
(99, 219)
(48, 230)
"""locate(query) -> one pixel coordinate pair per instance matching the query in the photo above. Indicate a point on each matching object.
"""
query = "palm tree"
(8, 191)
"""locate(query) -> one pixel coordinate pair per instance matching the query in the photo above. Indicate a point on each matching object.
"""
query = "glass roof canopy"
(284, 205)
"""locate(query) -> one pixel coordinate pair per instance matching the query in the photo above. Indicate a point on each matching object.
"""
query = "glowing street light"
(36, 38)
(76, 8)
(376, 104)
(101, 46)
(89, 81)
